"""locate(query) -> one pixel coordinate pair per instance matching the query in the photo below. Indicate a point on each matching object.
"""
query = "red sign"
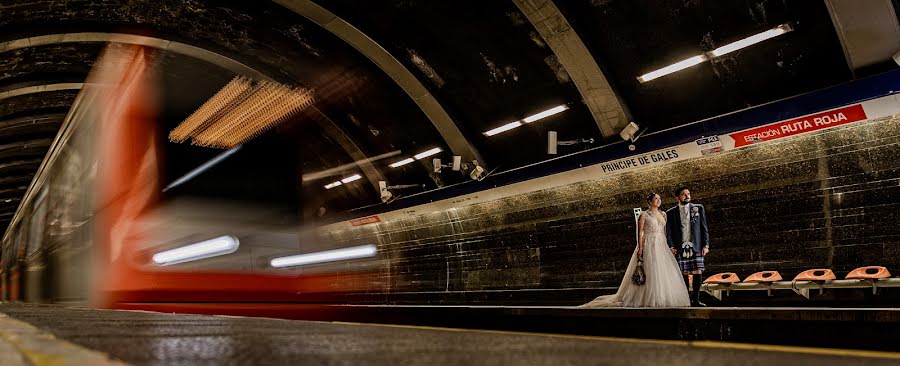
(365, 221)
(800, 125)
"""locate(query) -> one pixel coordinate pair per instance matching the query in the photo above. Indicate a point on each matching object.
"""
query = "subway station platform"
(855, 328)
(53, 335)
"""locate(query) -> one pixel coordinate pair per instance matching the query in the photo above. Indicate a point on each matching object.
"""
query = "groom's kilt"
(694, 263)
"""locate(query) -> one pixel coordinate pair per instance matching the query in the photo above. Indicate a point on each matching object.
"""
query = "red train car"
(117, 216)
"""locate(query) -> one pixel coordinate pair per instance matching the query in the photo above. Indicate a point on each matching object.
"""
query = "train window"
(261, 173)
(36, 226)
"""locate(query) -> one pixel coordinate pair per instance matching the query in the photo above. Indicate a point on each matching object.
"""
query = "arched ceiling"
(410, 75)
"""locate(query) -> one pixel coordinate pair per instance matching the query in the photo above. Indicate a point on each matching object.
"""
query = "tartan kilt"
(691, 264)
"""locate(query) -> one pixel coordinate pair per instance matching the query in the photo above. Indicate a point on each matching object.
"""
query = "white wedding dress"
(664, 287)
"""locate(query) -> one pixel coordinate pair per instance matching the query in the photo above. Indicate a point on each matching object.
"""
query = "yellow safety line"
(698, 344)
(43, 349)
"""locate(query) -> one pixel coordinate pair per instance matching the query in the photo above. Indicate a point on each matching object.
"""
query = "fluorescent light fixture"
(402, 162)
(362, 251)
(332, 185)
(428, 153)
(731, 47)
(351, 178)
(205, 249)
(505, 127)
(678, 66)
(546, 113)
(754, 39)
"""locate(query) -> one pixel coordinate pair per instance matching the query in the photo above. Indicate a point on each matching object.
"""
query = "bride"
(664, 286)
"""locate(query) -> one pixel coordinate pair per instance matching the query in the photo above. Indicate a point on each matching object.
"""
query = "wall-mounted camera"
(553, 142)
(387, 196)
(456, 165)
(631, 133)
(477, 172)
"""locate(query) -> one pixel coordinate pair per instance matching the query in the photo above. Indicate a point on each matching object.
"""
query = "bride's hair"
(650, 197)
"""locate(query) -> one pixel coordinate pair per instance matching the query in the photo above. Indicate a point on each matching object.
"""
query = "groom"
(688, 239)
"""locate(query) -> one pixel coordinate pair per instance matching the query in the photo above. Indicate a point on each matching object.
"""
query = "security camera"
(386, 195)
(477, 172)
(628, 132)
(456, 165)
(553, 142)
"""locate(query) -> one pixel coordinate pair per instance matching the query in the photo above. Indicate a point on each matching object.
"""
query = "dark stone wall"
(62, 62)
(828, 199)
(31, 104)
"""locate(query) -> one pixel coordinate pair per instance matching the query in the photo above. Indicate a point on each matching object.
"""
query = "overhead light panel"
(205, 249)
(678, 66)
(545, 114)
(754, 39)
(528, 119)
(503, 128)
(402, 162)
(428, 153)
(731, 47)
(332, 185)
(362, 251)
(351, 178)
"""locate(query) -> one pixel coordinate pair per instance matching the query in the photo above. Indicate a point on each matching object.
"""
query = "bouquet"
(638, 277)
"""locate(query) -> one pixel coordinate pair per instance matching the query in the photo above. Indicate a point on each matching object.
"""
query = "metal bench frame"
(802, 288)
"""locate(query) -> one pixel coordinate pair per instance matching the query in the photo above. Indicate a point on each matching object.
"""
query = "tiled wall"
(825, 199)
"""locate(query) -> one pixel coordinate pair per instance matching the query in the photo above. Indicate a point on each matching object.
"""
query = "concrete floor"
(147, 338)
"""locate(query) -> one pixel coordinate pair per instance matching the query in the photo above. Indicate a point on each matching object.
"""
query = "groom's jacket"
(699, 231)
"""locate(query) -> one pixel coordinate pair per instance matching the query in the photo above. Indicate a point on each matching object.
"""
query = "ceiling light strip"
(402, 162)
(749, 41)
(427, 153)
(731, 47)
(678, 66)
(503, 128)
(529, 119)
(545, 114)
(351, 178)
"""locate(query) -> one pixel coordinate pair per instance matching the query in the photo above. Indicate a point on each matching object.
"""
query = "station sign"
(365, 221)
(709, 145)
(813, 122)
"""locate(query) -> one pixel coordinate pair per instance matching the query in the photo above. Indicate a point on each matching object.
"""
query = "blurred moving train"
(96, 226)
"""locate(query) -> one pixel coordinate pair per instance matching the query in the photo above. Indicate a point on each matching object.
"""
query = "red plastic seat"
(723, 278)
(868, 273)
(764, 277)
(816, 275)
